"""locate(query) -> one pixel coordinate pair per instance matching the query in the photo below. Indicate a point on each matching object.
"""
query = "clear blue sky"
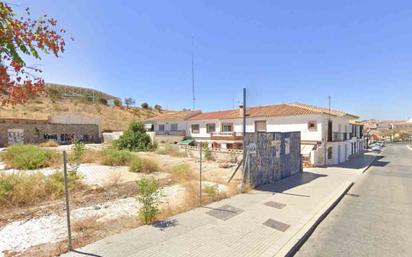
(358, 52)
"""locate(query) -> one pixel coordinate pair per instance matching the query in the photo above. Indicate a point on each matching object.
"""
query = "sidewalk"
(264, 222)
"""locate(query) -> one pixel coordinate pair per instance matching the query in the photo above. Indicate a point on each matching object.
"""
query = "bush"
(170, 149)
(117, 102)
(76, 155)
(145, 105)
(102, 101)
(29, 157)
(144, 165)
(208, 153)
(149, 196)
(134, 138)
(49, 143)
(22, 189)
(158, 107)
(114, 157)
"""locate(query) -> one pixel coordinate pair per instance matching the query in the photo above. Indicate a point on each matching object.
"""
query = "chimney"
(241, 110)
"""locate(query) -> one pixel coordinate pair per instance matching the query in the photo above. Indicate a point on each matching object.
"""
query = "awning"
(306, 149)
(186, 142)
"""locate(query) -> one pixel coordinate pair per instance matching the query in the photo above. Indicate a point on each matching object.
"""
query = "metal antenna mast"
(193, 75)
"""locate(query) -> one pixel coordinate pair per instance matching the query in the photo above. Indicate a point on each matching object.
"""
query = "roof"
(275, 110)
(184, 115)
(186, 142)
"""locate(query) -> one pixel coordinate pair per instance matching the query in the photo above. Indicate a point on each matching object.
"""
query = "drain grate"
(276, 205)
(276, 225)
(224, 212)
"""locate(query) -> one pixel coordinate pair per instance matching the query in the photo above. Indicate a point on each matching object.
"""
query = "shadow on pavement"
(290, 182)
(86, 254)
(164, 224)
(361, 162)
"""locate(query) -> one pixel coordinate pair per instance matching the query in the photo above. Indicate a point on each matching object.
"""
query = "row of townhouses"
(328, 137)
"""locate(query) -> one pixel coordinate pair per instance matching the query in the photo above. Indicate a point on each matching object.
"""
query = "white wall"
(181, 124)
(273, 124)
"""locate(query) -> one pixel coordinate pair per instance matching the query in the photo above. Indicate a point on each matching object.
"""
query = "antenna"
(193, 75)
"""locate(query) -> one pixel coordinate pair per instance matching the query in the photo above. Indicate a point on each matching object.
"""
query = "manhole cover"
(276, 225)
(275, 204)
(224, 212)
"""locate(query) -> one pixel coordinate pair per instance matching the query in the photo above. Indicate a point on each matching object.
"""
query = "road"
(375, 217)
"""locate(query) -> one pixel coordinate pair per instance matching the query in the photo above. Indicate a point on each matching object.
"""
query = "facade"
(169, 127)
(328, 137)
(63, 128)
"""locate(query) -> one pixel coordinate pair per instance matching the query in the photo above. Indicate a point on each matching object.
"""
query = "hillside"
(88, 102)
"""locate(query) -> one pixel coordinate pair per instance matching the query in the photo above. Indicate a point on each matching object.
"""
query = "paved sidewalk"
(259, 223)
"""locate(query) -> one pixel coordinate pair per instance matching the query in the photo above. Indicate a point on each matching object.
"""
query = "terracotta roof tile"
(275, 110)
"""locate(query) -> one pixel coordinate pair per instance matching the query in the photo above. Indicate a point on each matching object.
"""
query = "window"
(173, 127)
(330, 149)
(161, 127)
(260, 126)
(210, 128)
(195, 128)
(312, 125)
(227, 127)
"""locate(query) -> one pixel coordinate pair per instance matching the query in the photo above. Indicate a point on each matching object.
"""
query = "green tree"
(149, 197)
(134, 138)
(158, 107)
(145, 105)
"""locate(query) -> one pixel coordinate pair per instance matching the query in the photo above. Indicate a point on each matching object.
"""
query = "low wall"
(217, 154)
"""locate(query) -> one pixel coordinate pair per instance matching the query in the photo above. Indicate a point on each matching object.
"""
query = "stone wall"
(38, 131)
(272, 156)
(217, 154)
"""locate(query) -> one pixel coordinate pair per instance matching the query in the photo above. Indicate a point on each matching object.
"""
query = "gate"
(271, 156)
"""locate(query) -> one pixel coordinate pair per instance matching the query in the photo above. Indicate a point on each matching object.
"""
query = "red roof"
(275, 110)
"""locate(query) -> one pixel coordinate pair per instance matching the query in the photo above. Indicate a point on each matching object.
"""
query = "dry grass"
(114, 179)
(91, 156)
(170, 149)
(49, 143)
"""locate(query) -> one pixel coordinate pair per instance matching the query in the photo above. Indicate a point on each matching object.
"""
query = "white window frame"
(210, 124)
(260, 121)
(227, 124)
(194, 131)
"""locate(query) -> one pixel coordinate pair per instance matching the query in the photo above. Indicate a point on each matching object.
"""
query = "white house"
(328, 137)
(170, 127)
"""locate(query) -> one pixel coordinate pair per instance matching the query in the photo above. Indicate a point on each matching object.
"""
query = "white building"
(328, 137)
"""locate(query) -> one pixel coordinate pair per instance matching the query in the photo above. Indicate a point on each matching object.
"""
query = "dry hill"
(89, 102)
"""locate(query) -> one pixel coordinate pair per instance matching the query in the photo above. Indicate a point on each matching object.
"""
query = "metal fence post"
(200, 174)
(66, 194)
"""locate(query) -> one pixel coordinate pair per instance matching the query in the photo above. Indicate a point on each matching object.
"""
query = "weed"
(144, 165)
(212, 192)
(49, 143)
(29, 157)
(113, 157)
(170, 149)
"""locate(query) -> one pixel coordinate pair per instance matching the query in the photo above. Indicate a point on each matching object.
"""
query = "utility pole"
(193, 75)
(244, 137)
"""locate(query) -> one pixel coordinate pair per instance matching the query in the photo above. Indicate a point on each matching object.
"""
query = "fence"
(100, 195)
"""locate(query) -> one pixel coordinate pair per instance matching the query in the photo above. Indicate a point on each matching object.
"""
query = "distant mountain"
(86, 101)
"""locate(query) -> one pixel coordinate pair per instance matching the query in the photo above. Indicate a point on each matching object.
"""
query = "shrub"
(49, 143)
(117, 102)
(114, 157)
(158, 107)
(21, 189)
(145, 105)
(208, 153)
(102, 101)
(134, 138)
(181, 172)
(29, 157)
(76, 155)
(149, 196)
(144, 165)
(170, 149)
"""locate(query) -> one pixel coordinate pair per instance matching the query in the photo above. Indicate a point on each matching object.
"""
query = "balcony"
(340, 136)
(171, 133)
(229, 136)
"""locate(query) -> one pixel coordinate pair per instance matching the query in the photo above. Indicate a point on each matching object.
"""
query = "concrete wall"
(34, 133)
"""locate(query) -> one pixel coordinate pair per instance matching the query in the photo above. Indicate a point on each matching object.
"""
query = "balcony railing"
(171, 133)
(232, 136)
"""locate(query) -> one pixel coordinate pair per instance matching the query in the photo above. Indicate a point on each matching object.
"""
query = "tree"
(145, 105)
(29, 37)
(117, 102)
(129, 101)
(135, 138)
(158, 107)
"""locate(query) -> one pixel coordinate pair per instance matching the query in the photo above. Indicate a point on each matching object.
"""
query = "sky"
(357, 52)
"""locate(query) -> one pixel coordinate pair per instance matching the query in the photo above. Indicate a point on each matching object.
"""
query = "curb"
(370, 164)
(294, 244)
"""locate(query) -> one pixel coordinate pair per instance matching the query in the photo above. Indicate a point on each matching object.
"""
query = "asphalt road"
(375, 217)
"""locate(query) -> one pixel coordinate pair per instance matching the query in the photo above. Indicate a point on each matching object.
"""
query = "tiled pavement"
(258, 223)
